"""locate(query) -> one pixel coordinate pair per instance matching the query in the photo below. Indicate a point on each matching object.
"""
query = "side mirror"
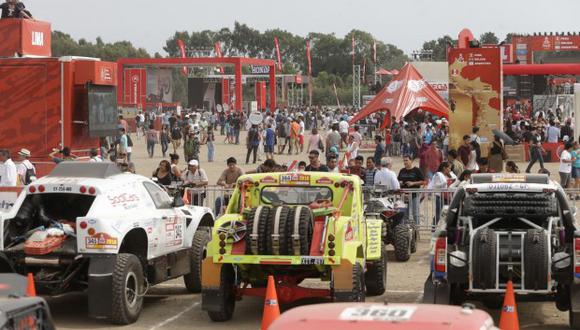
(178, 201)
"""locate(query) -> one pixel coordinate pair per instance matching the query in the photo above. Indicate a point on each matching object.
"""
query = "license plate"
(311, 260)
(378, 313)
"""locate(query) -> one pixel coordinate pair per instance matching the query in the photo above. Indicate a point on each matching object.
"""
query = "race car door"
(169, 225)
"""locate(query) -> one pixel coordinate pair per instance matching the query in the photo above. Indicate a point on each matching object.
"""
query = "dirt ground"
(169, 306)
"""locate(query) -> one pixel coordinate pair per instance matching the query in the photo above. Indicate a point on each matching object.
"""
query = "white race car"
(87, 226)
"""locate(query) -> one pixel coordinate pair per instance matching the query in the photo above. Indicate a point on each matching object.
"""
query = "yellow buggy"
(293, 226)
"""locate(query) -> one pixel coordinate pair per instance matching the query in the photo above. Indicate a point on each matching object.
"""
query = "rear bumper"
(277, 260)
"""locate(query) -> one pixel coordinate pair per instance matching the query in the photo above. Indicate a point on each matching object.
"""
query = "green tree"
(439, 47)
(489, 38)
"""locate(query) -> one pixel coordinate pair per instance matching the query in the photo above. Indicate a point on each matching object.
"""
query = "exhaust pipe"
(54, 262)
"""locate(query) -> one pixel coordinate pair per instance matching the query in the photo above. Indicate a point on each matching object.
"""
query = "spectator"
(566, 165)
(294, 137)
(195, 177)
(433, 157)
(282, 134)
(380, 149)
(175, 137)
(8, 174)
(371, 170)
(269, 142)
(496, 155)
(315, 164)
(385, 176)
(26, 170)
(123, 124)
(462, 180)
(553, 133)
(576, 164)
(252, 142)
(332, 164)
(439, 181)
(343, 130)
(152, 140)
(472, 162)
(301, 132)
(535, 150)
(356, 168)
(164, 138)
(456, 165)
(163, 173)
(210, 138)
(95, 158)
(411, 177)
(14, 9)
(465, 150)
(511, 167)
(227, 180)
(66, 155)
(301, 166)
(332, 140)
(315, 141)
(174, 168)
(188, 146)
(483, 166)
(567, 131)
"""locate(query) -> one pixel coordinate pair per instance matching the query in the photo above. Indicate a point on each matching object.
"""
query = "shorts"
(269, 149)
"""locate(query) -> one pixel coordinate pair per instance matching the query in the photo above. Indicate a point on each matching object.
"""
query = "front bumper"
(277, 260)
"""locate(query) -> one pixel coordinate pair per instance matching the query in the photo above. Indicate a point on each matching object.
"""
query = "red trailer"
(48, 102)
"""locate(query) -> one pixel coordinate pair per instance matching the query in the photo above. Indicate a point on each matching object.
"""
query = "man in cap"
(195, 177)
(25, 169)
(8, 173)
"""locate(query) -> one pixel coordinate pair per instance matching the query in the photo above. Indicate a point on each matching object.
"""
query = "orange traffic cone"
(30, 289)
(271, 307)
(509, 313)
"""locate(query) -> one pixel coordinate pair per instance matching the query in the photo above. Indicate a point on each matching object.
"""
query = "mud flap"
(436, 293)
(210, 284)
(100, 289)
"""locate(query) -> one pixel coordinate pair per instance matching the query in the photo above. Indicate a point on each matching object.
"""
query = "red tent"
(406, 92)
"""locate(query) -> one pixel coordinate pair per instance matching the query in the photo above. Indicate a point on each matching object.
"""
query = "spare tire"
(484, 259)
(277, 239)
(299, 231)
(257, 224)
(536, 260)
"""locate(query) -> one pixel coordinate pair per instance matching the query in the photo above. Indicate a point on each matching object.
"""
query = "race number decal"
(378, 313)
(311, 260)
(173, 232)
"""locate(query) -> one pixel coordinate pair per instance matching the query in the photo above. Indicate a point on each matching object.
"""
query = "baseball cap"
(193, 162)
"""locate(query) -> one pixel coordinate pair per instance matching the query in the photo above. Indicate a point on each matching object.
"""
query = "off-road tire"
(402, 242)
(376, 274)
(358, 287)
(127, 284)
(414, 238)
(198, 252)
(484, 259)
(263, 224)
(304, 216)
(536, 260)
(280, 215)
(226, 295)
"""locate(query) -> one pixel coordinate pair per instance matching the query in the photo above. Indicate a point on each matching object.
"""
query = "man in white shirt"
(385, 176)
(195, 177)
(553, 133)
(566, 165)
(8, 175)
(25, 169)
(343, 130)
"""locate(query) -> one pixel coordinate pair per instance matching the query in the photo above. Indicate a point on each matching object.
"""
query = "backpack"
(28, 175)
(129, 141)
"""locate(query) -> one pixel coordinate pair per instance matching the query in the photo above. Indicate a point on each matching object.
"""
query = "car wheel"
(414, 238)
(277, 238)
(536, 260)
(484, 259)
(357, 294)
(257, 223)
(199, 248)
(376, 274)
(127, 297)
(226, 295)
(402, 242)
(299, 231)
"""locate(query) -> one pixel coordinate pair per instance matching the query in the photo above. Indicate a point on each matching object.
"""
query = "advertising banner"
(475, 85)
(159, 85)
(135, 88)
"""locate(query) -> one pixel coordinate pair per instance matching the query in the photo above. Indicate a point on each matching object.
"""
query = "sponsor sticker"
(101, 241)
(508, 178)
(312, 260)
(268, 179)
(324, 180)
(295, 179)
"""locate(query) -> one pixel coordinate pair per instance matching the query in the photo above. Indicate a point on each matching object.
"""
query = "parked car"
(503, 227)
(87, 226)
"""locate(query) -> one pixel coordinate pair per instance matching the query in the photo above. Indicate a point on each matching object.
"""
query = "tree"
(64, 45)
(439, 47)
(488, 38)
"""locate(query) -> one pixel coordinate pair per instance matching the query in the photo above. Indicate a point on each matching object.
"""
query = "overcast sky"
(404, 23)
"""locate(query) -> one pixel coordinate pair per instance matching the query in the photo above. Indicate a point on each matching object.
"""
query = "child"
(389, 143)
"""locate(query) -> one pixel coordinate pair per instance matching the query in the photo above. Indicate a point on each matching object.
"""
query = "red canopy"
(406, 92)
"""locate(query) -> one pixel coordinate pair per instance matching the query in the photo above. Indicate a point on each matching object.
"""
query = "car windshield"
(295, 195)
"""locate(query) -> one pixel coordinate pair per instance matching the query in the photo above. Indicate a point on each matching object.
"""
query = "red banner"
(218, 52)
(181, 46)
(353, 49)
(278, 53)
(475, 93)
(135, 86)
(308, 58)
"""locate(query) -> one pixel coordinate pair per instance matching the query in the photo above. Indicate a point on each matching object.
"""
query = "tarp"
(406, 92)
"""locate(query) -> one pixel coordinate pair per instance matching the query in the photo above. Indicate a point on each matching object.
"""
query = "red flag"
(181, 46)
(353, 49)
(278, 53)
(308, 57)
(218, 52)
(364, 69)
(374, 51)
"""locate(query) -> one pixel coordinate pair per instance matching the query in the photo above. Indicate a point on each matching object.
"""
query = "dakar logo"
(547, 44)
(416, 85)
(37, 38)
(394, 85)
(106, 74)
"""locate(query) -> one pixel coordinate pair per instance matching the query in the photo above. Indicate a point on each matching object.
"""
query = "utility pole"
(356, 86)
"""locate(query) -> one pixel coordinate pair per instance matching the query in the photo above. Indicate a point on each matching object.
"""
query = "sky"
(404, 23)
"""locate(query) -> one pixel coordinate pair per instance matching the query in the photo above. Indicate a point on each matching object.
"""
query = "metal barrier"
(214, 197)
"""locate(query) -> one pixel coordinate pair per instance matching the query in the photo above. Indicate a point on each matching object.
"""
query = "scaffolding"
(356, 86)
